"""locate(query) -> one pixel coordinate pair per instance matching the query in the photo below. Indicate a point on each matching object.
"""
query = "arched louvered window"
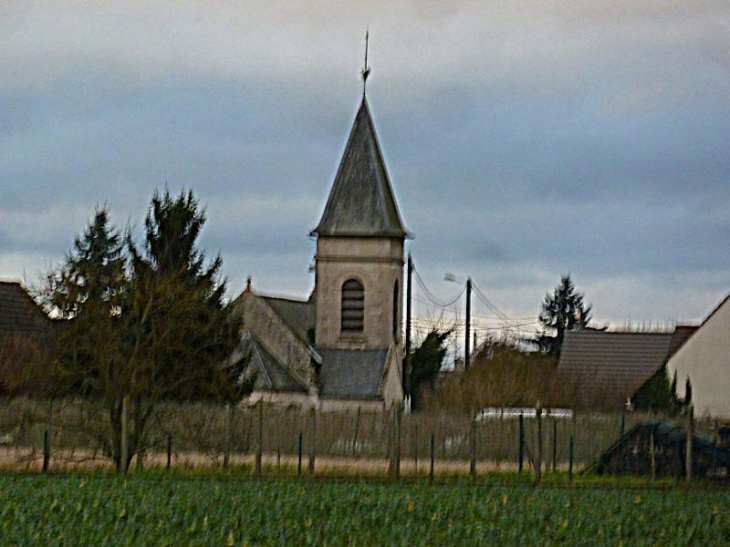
(353, 307)
(396, 298)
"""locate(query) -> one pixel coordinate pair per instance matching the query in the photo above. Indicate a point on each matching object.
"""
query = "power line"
(432, 297)
(512, 326)
(490, 305)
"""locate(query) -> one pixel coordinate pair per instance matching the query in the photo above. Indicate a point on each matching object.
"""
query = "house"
(23, 325)
(342, 346)
(705, 360)
(607, 368)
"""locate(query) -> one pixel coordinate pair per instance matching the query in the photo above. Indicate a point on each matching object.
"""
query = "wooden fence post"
(124, 445)
(521, 445)
(299, 455)
(312, 438)
(227, 448)
(169, 450)
(260, 440)
(473, 447)
(46, 450)
(396, 441)
(47, 437)
(689, 444)
(357, 431)
(622, 445)
(570, 459)
(652, 454)
(415, 444)
(538, 452)
(555, 444)
(433, 457)
(573, 434)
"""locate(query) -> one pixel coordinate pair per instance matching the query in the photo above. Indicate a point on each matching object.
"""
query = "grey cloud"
(522, 139)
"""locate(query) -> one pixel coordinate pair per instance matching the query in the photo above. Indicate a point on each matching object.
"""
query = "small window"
(353, 307)
(396, 298)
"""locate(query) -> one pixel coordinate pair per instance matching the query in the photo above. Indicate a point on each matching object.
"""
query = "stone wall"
(377, 263)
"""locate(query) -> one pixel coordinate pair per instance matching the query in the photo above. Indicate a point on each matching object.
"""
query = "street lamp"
(452, 278)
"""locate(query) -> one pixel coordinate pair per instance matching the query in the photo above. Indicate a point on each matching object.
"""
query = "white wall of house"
(705, 360)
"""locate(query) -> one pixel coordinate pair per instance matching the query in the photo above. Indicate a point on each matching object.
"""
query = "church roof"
(361, 202)
(299, 316)
(271, 374)
(352, 374)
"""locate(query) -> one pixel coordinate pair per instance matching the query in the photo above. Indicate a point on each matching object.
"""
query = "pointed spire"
(361, 202)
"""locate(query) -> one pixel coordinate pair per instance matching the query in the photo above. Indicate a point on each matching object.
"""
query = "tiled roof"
(19, 314)
(299, 316)
(608, 367)
(361, 202)
(682, 333)
(270, 373)
(352, 373)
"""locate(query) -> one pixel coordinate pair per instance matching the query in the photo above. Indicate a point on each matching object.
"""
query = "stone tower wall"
(377, 263)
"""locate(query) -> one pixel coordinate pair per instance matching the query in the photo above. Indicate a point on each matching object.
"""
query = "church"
(342, 348)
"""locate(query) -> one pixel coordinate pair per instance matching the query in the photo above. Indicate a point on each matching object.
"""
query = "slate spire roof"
(361, 202)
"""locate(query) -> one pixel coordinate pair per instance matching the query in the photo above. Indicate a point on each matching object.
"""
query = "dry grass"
(353, 442)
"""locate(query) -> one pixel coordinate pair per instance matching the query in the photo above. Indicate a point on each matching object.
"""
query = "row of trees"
(139, 323)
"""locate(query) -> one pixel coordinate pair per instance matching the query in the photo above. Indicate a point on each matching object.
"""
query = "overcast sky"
(523, 139)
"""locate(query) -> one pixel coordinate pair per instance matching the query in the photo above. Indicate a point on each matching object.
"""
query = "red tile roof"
(608, 367)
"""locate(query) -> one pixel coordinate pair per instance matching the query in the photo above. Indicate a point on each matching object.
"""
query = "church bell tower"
(360, 249)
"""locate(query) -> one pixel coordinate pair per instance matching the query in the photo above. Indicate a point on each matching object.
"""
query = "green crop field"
(98, 510)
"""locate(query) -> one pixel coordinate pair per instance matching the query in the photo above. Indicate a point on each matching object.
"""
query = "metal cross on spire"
(365, 72)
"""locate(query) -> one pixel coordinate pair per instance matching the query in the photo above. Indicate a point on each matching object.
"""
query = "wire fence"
(63, 434)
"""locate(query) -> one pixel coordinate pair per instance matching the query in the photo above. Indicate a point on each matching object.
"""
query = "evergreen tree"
(562, 311)
(191, 333)
(145, 325)
(426, 361)
(658, 394)
(86, 295)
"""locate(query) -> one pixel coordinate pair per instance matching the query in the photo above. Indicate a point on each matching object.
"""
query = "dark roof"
(19, 314)
(299, 315)
(682, 333)
(608, 367)
(355, 374)
(361, 201)
(271, 374)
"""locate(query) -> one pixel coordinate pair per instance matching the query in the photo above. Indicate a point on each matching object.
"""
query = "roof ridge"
(284, 298)
(715, 309)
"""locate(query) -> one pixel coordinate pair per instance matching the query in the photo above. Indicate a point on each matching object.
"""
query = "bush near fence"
(216, 434)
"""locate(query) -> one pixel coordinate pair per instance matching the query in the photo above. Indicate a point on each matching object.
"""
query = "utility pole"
(407, 358)
(468, 323)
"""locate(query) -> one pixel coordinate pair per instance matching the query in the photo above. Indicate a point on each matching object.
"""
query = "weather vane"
(365, 72)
